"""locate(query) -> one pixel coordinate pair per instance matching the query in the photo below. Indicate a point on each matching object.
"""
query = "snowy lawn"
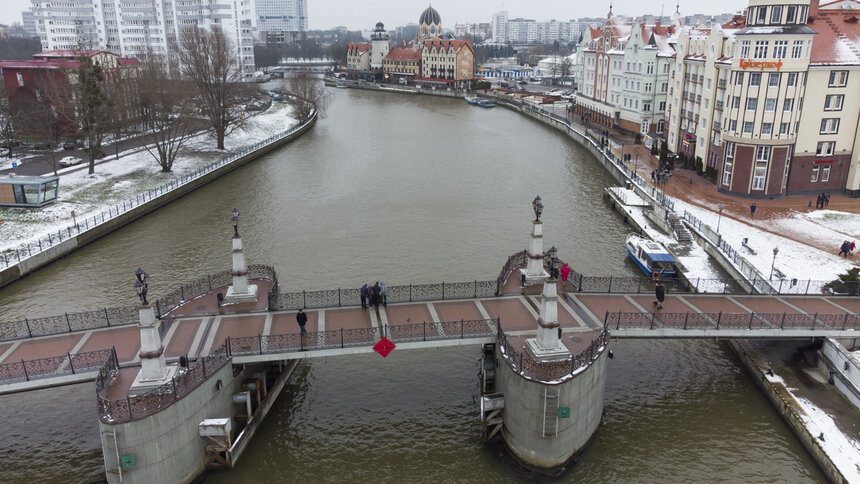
(135, 172)
(843, 450)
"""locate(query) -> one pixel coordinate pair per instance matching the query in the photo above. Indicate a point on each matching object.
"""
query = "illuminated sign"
(760, 65)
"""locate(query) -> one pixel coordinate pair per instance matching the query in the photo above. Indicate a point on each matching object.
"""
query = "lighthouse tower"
(379, 46)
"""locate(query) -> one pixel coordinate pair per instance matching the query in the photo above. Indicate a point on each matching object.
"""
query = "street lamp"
(636, 163)
(537, 206)
(719, 217)
(235, 220)
(550, 256)
(555, 265)
(141, 285)
(775, 251)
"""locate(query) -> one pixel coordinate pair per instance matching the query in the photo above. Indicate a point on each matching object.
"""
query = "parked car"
(72, 145)
(42, 146)
(67, 161)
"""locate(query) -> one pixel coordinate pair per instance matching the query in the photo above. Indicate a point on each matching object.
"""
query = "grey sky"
(363, 14)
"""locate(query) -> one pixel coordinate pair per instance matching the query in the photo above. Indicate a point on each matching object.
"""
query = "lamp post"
(534, 272)
(240, 291)
(235, 219)
(141, 286)
(153, 369)
(720, 217)
(775, 251)
(537, 206)
(636, 163)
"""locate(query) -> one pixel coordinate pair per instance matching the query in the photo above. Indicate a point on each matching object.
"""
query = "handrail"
(749, 321)
(41, 244)
(67, 364)
(553, 372)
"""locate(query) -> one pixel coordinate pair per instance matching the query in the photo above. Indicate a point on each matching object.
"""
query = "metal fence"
(68, 364)
(123, 315)
(693, 320)
(24, 251)
(523, 363)
(138, 406)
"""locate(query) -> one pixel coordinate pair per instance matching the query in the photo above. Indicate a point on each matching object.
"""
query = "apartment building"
(130, 28)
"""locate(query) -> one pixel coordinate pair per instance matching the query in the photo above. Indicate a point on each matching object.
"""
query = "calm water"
(403, 189)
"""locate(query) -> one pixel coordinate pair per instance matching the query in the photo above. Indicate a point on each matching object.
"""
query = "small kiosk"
(28, 191)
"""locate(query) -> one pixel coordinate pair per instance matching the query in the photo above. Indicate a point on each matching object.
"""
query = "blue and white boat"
(486, 103)
(473, 101)
(652, 258)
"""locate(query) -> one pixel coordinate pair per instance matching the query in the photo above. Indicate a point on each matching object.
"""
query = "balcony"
(699, 98)
(718, 105)
(721, 84)
(717, 125)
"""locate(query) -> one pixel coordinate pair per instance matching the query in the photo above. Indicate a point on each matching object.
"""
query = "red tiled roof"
(448, 44)
(837, 41)
(354, 49)
(128, 61)
(71, 54)
(403, 54)
(37, 64)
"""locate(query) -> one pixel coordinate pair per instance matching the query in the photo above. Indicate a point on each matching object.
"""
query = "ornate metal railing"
(516, 260)
(68, 364)
(118, 316)
(522, 362)
(138, 406)
(24, 251)
(692, 320)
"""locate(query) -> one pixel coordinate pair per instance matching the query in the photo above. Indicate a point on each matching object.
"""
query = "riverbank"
(127, 178)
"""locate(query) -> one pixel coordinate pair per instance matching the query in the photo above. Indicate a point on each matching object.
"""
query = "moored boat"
(486, 103)
(651, 257)
(473, 100)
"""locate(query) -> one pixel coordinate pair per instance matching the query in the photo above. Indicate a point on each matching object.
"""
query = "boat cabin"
(28, 191)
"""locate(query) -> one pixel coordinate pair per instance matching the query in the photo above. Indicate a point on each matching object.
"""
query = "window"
(739, 78)
(727, 166)
(787, 104)
(825, 148)
(766, 129)
(646, 107)
(791, 14)
(780, 48)
(761, 15)
(708, 84)
(797, 49)
(838, 79)
(752, 103)
(733, 125)
(792, 79)
(833, 102)
(736, 102)
(748, 127)
(745, 48)
(662, 106)
(20, 79)
(755, 79)
(762, 157)
(783, 129)
(814, 177)
(775, 14)
(829, 126)
(760, 51)
(773, 79)
(825, 173)
(706, 104)
(770, 105)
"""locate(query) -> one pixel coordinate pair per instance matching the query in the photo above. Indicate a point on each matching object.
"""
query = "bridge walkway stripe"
(374, 321)
(801, 311)
(756, 315)
(484, 313)
(210, 338)
(436, 319)
(320, 326)
(65, 365)
(529, 307)
(584, 312)
(10, 350)
(267, 326)
(842, 308)
(570, 311)
(656, 320)
(170, 332)
(696, 310)
(193, 350)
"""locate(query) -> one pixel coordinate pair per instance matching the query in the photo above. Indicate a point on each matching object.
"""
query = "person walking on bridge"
(660, 294)
(302, 319)
(384, 294)
(363, 295)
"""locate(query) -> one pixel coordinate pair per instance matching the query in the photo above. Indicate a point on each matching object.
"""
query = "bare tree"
(564, 67)
(210, 61)
(307, 94)
(36, 112)
(8, 133)
(167, 117)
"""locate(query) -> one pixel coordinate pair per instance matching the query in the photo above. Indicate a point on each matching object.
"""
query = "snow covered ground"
(795, 259)
(843, 450)
(135, 172)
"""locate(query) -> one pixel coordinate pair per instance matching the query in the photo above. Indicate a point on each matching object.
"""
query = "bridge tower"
(550, 386)
(240, 291)
(534, 272)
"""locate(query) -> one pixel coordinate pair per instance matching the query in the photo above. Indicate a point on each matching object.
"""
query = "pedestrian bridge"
(72, 347)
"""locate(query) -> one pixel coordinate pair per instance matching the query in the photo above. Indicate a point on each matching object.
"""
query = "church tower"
(429, 25)
(379, 46)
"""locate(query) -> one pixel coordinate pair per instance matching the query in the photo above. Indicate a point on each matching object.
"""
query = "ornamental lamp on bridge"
(240, 291)
(154, 372)
(534, 272)
(773, 264)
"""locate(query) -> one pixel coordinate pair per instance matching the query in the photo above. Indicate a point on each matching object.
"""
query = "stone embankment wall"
(30, 264)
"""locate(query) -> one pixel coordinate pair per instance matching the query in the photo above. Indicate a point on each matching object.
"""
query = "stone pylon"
(547, 344)
(240, 291)
(154, 371)
(534, 272)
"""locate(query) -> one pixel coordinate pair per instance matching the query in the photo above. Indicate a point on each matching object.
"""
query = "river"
(403, 189)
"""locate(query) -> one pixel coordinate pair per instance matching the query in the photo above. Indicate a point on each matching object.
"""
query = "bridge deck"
(197, 336)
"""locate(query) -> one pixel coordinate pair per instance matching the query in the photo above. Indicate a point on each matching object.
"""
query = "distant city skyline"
(363, 15)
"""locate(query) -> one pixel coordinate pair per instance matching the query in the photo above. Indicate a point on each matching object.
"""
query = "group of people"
(846, 249)
(374, 295)
(662, 174)
(822, 201)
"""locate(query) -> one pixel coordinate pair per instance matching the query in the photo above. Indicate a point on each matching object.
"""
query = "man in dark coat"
(363, 295)
(752, 210)
(660, 294)
(302, 319)
(377, 294)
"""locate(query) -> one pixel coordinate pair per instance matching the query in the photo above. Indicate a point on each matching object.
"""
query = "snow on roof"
(838, 39)
(403, 54)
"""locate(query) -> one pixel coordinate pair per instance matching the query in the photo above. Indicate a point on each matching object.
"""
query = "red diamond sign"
(384, 347)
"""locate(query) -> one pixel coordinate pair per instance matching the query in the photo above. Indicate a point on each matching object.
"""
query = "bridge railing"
(24, 251)
(138, 406)
(68, 364)
(523, 363)
(123, 315)
(697, 321)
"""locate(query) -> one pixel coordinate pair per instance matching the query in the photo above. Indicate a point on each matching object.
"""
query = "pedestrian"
(752, 210)
(819, 202)
(369, 293)
(851, 249)
(363, 295)
(377, 294)
(660, 294)
(653, 175)
(810, 202)
(302, 319)
(384, 294)
(844, 248)
(826, 199)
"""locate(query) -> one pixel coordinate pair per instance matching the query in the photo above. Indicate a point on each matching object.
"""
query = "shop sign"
(760, 65)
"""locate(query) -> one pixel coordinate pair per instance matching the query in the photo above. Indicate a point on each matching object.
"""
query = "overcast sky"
(363, 14)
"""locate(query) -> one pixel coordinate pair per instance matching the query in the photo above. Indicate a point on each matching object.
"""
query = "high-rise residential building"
(280, 21)
(764, 103)
(500, 27)
(28, 21)
(131, 28)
